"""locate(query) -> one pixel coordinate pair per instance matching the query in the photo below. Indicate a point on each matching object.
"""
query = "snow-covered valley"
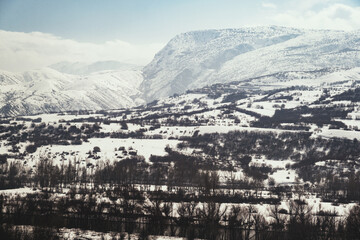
(260, 137)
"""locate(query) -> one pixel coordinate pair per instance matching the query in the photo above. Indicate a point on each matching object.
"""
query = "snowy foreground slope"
(48, 90)
(200, 58)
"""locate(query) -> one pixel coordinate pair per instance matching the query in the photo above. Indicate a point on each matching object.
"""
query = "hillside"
(244, 153)
(200, 58)
(47, 90)
(262, 58)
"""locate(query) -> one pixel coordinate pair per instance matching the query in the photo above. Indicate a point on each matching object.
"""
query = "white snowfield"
(109, 151)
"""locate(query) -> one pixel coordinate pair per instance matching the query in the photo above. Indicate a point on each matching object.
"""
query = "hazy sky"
(36, 33)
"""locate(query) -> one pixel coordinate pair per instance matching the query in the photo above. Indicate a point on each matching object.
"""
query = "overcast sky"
(37, 33)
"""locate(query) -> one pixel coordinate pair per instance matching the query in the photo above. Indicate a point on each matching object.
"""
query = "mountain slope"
(200, 58)
(255, 58)
(47, 90)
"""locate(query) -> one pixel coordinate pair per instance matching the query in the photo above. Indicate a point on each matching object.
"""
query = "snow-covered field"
(338, 133)
(108, 150)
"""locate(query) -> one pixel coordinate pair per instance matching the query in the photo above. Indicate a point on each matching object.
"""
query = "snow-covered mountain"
(201, 58)
(258, 57)
(47, 90)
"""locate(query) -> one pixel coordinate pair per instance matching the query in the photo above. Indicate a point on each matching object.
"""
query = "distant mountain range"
(258, 57)
(48, 90)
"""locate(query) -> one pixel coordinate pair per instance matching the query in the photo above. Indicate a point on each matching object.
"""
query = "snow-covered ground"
(55, 117)
(339, 133)
(18, 191)
(180, 131)
(79, 234)
(108, 150)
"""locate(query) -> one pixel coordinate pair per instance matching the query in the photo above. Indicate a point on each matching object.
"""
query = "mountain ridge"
(255, 57)
(47, 90)
(229, 55)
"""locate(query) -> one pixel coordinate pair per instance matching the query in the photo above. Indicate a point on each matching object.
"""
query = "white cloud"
(309, 4)
(268, 5)
(334, 16)
(25, 51)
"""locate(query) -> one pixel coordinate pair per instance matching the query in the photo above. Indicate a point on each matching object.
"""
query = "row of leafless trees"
(130, 211)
